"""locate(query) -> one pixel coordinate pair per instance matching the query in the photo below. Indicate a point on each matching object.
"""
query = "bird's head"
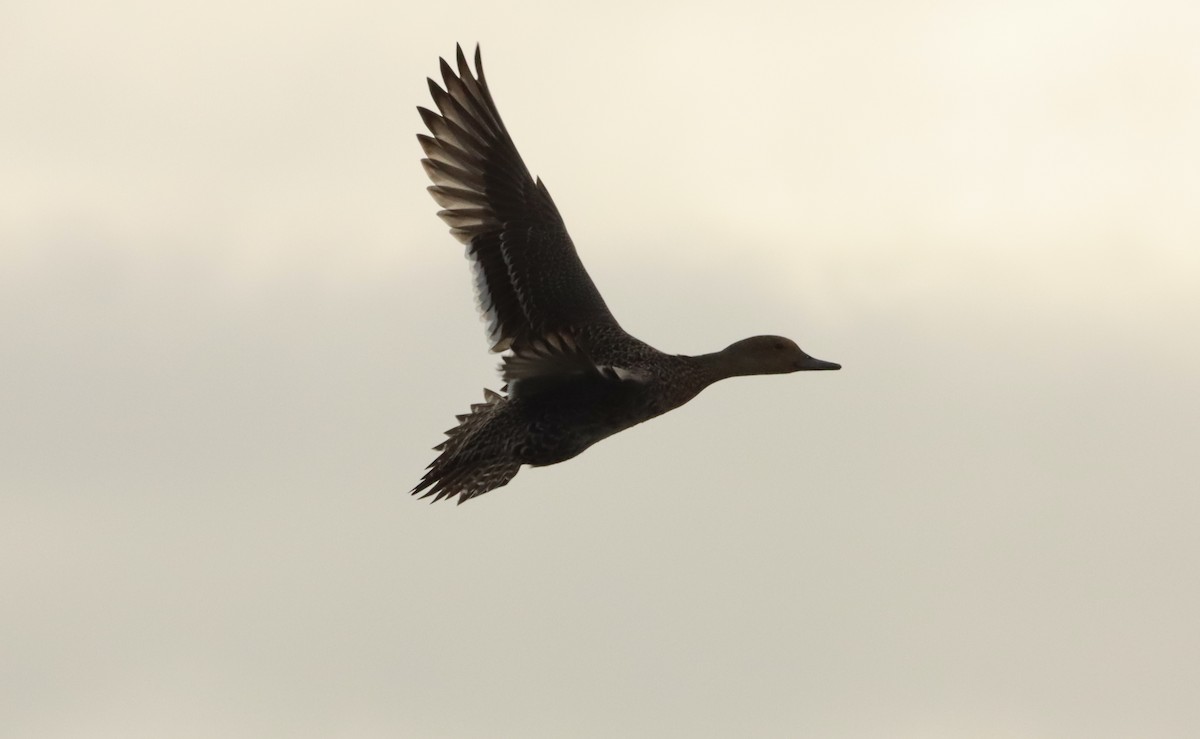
(771, 355)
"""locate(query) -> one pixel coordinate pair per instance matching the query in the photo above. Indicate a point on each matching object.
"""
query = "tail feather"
(474, 458)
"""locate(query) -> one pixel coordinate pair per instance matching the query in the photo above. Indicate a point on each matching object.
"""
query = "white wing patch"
(623, 374)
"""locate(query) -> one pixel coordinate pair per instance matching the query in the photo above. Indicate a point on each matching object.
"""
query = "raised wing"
(529, 279)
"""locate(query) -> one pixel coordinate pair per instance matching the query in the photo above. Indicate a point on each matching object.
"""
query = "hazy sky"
(231, 328)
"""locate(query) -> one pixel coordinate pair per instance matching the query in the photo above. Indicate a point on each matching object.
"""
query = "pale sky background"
(231, 328)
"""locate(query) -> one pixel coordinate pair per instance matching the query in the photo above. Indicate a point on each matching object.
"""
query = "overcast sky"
(231, 328)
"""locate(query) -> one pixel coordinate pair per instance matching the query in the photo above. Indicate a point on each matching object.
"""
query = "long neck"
(723, 364)
(689, 376)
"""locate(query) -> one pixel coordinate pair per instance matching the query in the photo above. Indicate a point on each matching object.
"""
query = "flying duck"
(573, 375)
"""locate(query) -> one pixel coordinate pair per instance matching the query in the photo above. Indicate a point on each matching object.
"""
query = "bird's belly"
(560, 433)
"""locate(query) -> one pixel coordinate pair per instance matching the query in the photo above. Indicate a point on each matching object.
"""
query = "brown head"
(767, 355)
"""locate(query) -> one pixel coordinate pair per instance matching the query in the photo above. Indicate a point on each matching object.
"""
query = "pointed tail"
(477, 455)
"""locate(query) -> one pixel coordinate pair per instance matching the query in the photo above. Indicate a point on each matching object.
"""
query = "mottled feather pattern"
(464, 467)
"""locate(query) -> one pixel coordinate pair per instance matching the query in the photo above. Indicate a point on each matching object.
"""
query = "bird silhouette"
(572, 375)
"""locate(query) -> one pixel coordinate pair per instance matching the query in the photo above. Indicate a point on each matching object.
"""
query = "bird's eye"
(778, 346)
